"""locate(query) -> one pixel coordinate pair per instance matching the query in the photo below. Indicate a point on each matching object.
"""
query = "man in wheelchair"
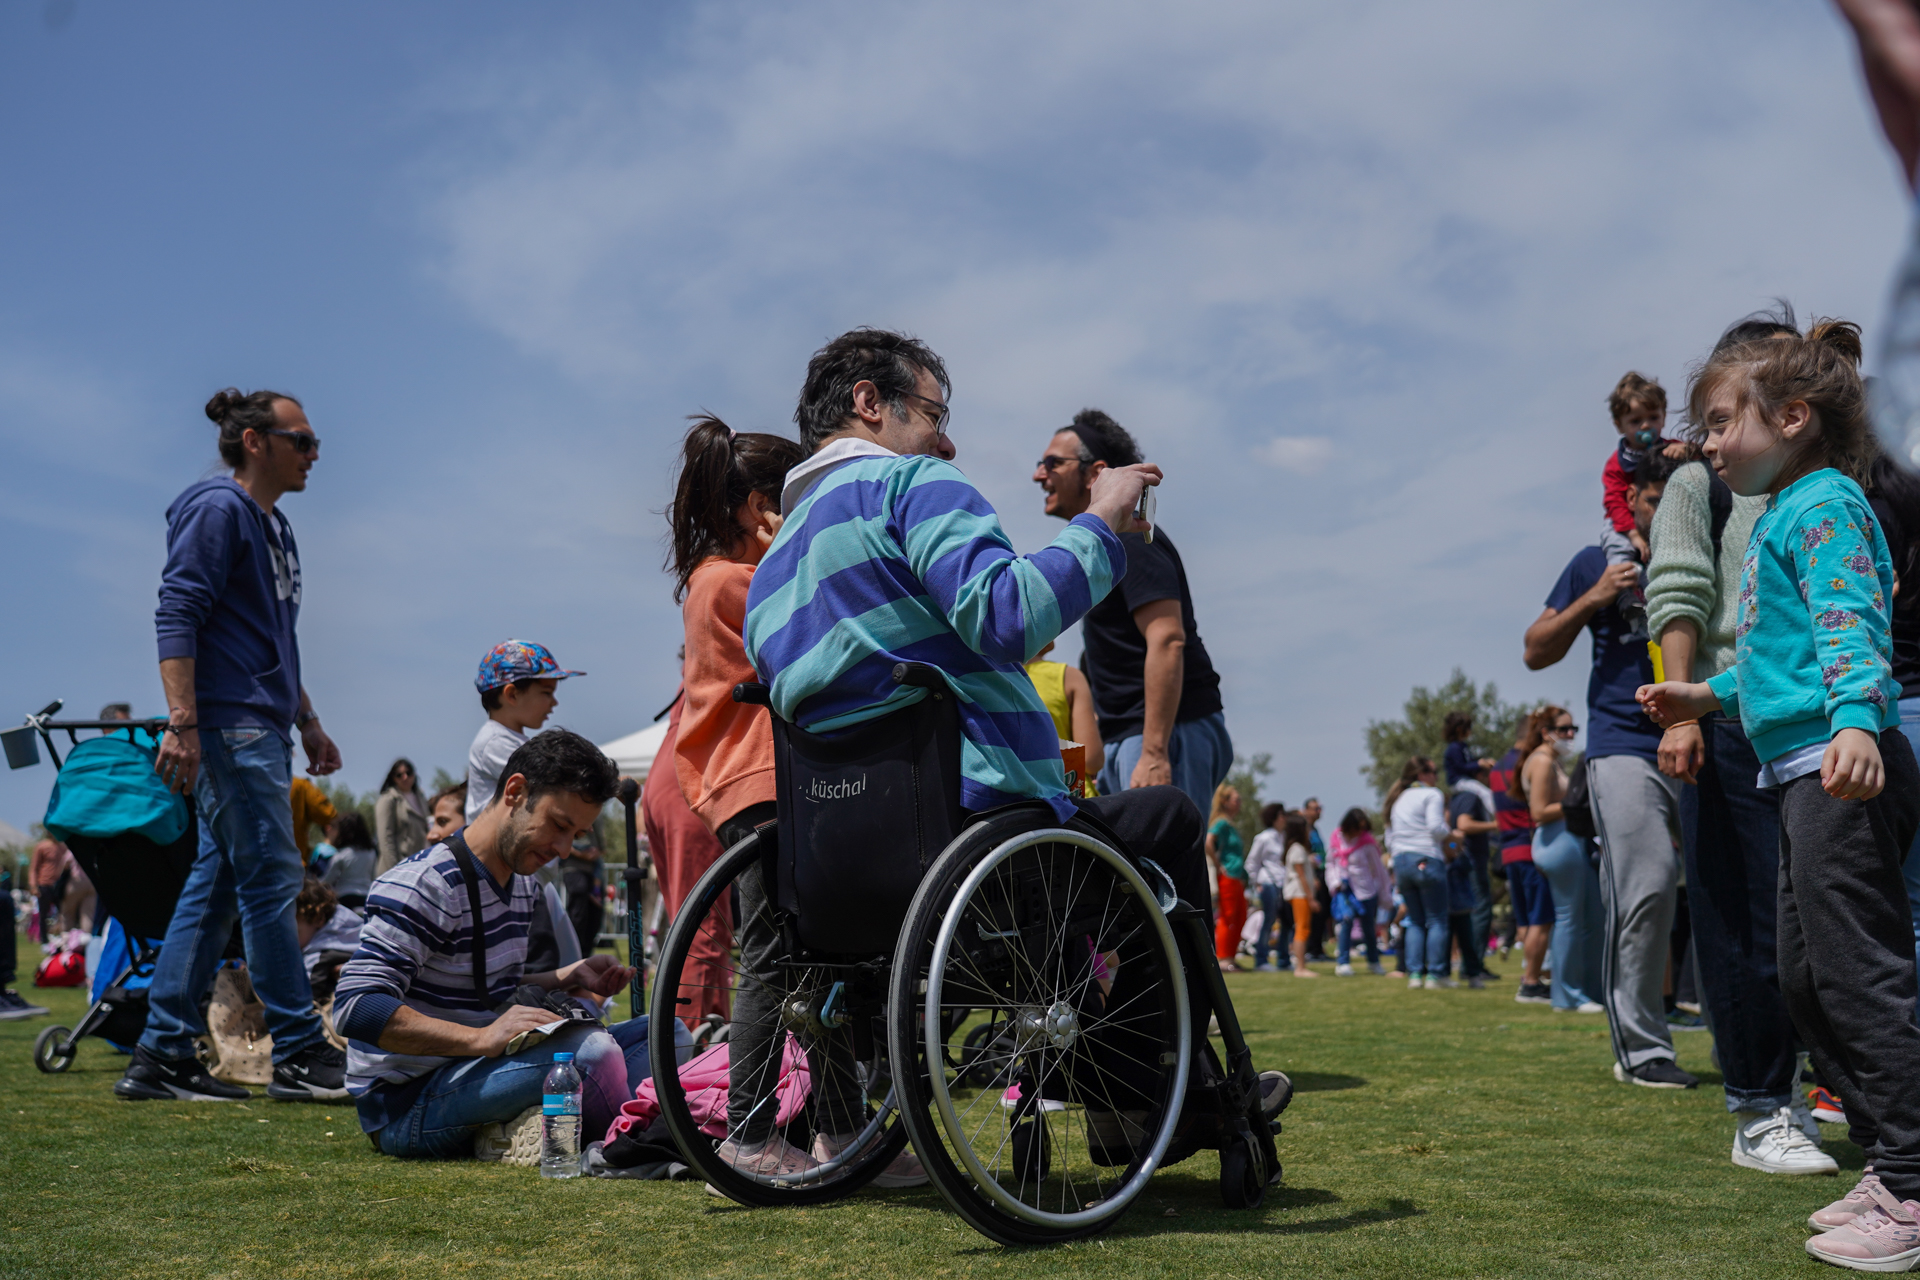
(888, 555)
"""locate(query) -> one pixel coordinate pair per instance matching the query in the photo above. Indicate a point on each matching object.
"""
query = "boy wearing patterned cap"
(517, 682)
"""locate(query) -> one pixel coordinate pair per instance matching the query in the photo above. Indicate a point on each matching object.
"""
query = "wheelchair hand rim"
(1110, 1206)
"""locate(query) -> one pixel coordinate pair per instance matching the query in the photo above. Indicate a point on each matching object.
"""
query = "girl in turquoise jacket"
(1812, 683)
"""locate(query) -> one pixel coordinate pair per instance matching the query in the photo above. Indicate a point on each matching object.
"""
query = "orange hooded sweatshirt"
(724, 753)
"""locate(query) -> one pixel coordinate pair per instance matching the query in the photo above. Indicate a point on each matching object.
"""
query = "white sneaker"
(1590, 1006)
(1775, 1144)
(772, 1161)
(515, 1141)
(1343, 971)
(1414, 983)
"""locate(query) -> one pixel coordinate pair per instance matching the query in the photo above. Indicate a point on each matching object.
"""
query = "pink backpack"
(705, 1081)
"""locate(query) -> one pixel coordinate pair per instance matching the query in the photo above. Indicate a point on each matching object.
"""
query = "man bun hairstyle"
(1820, 367)
(1103, 440)
(561, 760)
(1634, 390)
(890, 361)
(236, 414)
(719, 468)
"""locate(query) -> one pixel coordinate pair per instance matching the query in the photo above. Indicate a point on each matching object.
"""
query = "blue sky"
(1358, 276)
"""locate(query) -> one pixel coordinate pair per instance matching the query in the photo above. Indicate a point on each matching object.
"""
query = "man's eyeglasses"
(939, 417)
(1052, 463)
(302, 441)
(1565, 730)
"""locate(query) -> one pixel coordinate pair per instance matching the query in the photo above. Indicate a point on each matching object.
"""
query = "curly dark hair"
(1103, 440)
(890, 361)
(561, 760)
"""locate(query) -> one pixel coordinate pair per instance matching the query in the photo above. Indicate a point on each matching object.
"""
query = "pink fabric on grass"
(705, 1080)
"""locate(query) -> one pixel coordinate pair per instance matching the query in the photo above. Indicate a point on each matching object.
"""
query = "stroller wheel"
(53, 1051)
(1242, 1183)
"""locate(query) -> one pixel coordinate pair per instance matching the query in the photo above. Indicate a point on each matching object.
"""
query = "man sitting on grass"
(423, 1002)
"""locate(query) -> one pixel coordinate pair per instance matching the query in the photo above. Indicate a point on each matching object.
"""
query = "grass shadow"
(1393, 1211)
(1323, 1082)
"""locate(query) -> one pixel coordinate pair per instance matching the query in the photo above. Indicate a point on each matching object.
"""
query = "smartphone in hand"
(1143, 511)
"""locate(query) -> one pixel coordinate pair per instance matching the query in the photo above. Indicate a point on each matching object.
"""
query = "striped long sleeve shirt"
(416, 949)
(890, 559)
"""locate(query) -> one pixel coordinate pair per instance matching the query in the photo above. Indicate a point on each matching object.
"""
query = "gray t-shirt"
(486, 761)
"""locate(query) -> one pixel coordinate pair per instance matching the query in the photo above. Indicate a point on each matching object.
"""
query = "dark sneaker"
(317, 1073)
(1533, 993)
(166, 1079)
(1658, 1074)
(13, 1006)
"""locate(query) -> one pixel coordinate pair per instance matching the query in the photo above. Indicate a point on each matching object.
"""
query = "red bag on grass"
(62, 969)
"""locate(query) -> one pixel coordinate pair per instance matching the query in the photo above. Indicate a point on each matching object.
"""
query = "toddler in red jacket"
(1639, 406)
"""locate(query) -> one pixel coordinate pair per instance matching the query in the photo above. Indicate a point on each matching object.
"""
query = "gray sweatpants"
(1637, 810)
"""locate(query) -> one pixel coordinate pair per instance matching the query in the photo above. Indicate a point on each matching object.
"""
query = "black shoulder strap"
(1720, 507)
(471, 874)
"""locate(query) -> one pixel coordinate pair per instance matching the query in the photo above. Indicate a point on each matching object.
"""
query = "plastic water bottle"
(560, 1120)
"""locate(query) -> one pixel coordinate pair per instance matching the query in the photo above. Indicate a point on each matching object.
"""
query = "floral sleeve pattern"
(1847, 605)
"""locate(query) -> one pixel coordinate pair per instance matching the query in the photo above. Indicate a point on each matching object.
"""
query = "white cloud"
(1399, 250)
(1306, 455)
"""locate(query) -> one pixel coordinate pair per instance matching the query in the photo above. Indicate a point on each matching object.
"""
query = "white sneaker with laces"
(1775, 1143)
(1414, 983)
(1343, 971)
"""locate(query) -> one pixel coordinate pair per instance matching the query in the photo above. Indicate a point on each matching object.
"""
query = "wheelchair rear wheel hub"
(1056, 1027)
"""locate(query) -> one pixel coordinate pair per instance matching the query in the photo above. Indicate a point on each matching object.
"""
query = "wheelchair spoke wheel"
(803, 1110)
(1059, 947)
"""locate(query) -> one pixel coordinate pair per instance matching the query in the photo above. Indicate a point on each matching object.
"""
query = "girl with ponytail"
(1813, 686)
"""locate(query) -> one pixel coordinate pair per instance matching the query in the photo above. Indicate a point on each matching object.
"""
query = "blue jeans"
(1422, 880)
(1200, 752)
(461, 1096)
(1577, 924)
(1343, 940)
(1270, 907)
(247, 866)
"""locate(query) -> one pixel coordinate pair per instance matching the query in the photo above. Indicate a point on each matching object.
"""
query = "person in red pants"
(1227, 854)
(683, 849)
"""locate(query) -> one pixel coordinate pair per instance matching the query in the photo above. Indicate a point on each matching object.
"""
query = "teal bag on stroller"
(107, 787)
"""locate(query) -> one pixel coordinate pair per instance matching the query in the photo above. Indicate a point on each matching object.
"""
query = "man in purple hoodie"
(229, 600)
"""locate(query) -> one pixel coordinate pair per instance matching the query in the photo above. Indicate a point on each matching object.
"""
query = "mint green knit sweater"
(1684, 580)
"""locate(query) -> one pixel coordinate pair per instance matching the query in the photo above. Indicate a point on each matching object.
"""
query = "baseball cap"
(512, 660)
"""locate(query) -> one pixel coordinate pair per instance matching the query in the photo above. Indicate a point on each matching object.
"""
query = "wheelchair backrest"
(864, 811)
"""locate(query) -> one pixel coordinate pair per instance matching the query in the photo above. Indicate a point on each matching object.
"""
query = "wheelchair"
(890, 968)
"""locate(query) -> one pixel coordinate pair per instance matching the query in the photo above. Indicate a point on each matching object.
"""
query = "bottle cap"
(563, 1057)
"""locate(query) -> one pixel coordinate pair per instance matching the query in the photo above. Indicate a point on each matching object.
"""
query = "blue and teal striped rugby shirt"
(900, 559)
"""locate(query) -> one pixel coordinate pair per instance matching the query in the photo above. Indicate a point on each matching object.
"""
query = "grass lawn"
(1447, 1133)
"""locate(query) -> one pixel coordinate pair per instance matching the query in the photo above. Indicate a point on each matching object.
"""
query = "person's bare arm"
(412, 1032)
(1543, 780)
(1085, 721)
(1889, 36)
(1166, 636)
(600, 974)
(1553, 632)
(178, 762)
(322, 756)
(1473, 826)
(1683, 748)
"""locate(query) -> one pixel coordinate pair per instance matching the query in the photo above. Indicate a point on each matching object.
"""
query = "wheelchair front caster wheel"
(53, 1051)
(1242, 1185)
(1032, 1151)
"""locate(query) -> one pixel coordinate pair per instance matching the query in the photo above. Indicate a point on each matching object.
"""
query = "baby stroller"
(136, 841)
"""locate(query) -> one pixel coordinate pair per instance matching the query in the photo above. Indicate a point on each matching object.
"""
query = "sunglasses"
(303, 442)
(1565, 730)
(1050, 463)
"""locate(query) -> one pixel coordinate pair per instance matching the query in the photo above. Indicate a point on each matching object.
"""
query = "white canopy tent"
(634, 753)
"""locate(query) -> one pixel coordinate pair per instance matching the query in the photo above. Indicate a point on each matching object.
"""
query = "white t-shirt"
(1295, 885)
(486, 760)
